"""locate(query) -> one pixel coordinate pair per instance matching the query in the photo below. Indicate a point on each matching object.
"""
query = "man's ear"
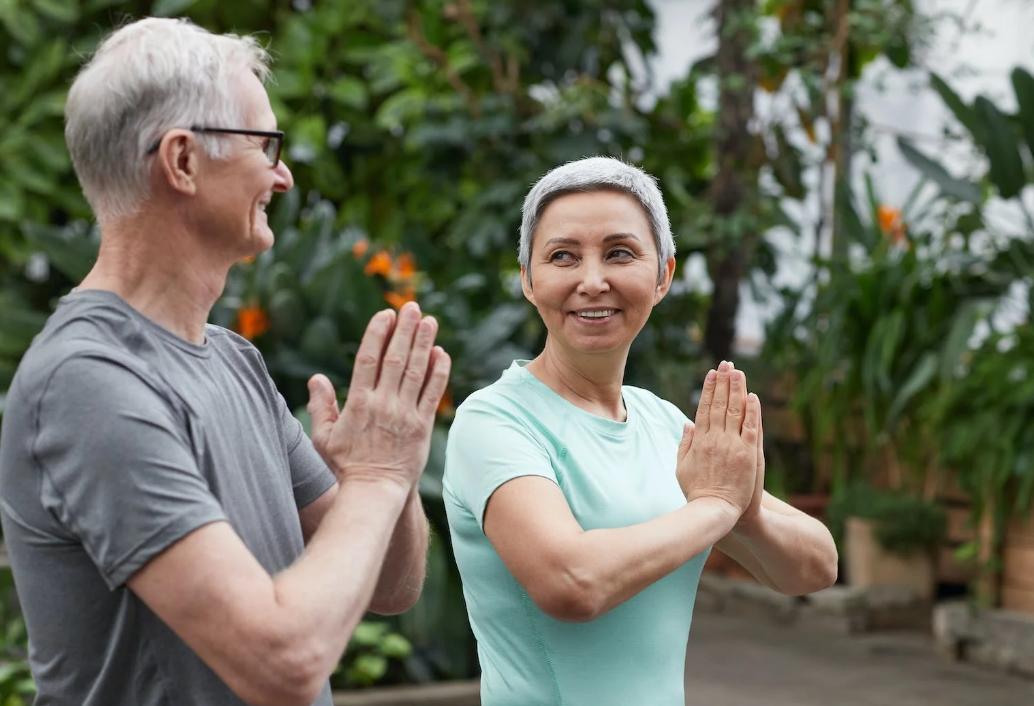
(526, 285)
(178, 161)
(665, 284)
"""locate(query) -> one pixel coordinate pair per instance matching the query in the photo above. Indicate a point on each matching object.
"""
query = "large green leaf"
(1023, 85)
(921, 376)
(1002, 147)
(962, 112)
(952, 186)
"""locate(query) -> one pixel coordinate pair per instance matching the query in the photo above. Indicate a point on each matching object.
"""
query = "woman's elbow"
(569, 596)
(820, 570)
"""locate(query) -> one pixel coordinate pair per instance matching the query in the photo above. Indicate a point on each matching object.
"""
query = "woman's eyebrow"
(620, 236)
(560, 241)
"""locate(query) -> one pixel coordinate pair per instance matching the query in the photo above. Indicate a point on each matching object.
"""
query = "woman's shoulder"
(512, 400)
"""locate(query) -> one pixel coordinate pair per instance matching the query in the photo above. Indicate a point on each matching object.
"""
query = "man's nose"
(284, 178)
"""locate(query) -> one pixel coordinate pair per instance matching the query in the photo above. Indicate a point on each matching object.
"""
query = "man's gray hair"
(597, 174)
(145, 79)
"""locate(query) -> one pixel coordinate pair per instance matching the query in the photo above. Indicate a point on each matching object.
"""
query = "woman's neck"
(591, 383)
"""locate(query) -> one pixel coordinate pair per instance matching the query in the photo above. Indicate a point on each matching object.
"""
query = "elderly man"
(175, 537)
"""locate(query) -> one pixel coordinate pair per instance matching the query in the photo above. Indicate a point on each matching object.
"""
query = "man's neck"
(161, 272)
(592, 383)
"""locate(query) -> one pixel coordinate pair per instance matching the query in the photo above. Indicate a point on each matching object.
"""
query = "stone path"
(739, 661)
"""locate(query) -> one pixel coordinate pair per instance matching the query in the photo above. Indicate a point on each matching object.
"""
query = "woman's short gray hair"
(144, 79)
(597, 174)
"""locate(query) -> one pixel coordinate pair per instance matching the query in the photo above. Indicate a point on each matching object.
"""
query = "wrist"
(722, 512)
(750, 525)
(375, 482)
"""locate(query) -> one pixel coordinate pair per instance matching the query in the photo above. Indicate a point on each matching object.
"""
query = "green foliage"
(372, 649)
(903, 523)
(985, 424)
(880, 339)
(16, 685)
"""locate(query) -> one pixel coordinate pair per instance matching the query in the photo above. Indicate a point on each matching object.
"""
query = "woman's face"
(594, 271)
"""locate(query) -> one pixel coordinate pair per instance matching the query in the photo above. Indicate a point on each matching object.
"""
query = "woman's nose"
(593, 279)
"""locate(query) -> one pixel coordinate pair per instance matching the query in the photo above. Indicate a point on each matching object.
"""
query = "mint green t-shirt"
(613, 474)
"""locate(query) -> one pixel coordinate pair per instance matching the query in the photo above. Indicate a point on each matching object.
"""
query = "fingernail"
(710, 375)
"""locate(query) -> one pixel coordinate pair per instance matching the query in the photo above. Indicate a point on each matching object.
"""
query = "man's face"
(236, 190)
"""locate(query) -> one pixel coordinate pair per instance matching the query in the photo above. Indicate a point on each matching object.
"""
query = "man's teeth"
(599, 314)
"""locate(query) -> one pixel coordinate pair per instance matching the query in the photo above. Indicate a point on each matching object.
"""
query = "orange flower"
(379, 264)
(890, 223)
(406, 265)
(445, 406)
(360, 247)
(397, 299)
(252, 322)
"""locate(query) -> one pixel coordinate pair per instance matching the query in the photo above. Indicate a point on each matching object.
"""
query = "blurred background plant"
(414, 130)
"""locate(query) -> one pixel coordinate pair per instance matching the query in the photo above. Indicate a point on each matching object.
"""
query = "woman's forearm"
(790, 553)
(602, 568)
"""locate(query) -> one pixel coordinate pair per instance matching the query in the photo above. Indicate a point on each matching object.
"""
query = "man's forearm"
(405, 564)
(790, 553)
(327, 591)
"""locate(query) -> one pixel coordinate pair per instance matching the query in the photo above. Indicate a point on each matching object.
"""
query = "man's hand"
(718, 457)
(384, 430)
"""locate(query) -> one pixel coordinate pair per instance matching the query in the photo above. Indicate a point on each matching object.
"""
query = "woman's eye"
(561, 256)
(620, 254)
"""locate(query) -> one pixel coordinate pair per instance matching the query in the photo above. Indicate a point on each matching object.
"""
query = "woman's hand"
(719, 457)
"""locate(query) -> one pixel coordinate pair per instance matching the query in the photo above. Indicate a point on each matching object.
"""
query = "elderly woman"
(581, 509)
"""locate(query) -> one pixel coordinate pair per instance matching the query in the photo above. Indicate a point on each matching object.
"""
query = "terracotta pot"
(1018, 566)
(869, 564)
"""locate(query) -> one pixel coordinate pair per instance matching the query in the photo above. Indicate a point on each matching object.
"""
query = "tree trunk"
(734, 185)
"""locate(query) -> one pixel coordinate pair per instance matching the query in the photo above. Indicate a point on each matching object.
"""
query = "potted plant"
(890, 537)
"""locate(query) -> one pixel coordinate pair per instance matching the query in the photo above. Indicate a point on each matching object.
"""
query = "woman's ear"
(526, 284)
(665, 284)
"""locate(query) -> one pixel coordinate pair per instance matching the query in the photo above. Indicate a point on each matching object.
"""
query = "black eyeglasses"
(271, 146)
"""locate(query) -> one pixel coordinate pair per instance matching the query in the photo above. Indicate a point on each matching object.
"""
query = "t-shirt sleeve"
(310, 476)
(117, 464)
(487, 447)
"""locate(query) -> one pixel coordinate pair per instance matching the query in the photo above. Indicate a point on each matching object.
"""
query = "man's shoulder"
(88, 340)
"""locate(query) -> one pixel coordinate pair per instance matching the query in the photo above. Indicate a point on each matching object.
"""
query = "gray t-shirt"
(119, 438)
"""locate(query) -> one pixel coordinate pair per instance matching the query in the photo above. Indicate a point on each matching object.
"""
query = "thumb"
(687, 439)
(322, 405)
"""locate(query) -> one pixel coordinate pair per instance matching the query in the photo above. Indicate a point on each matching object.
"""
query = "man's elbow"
(397, 602)
(289, 673)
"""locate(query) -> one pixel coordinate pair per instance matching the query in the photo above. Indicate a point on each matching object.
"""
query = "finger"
(706, 398)
(761, 437)
(322, 406)
(737, 401)
(371, 349)
(687, 440)
(418, 366)
(720, 403)
(437, 380)
(751, 421)
(396, 355)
